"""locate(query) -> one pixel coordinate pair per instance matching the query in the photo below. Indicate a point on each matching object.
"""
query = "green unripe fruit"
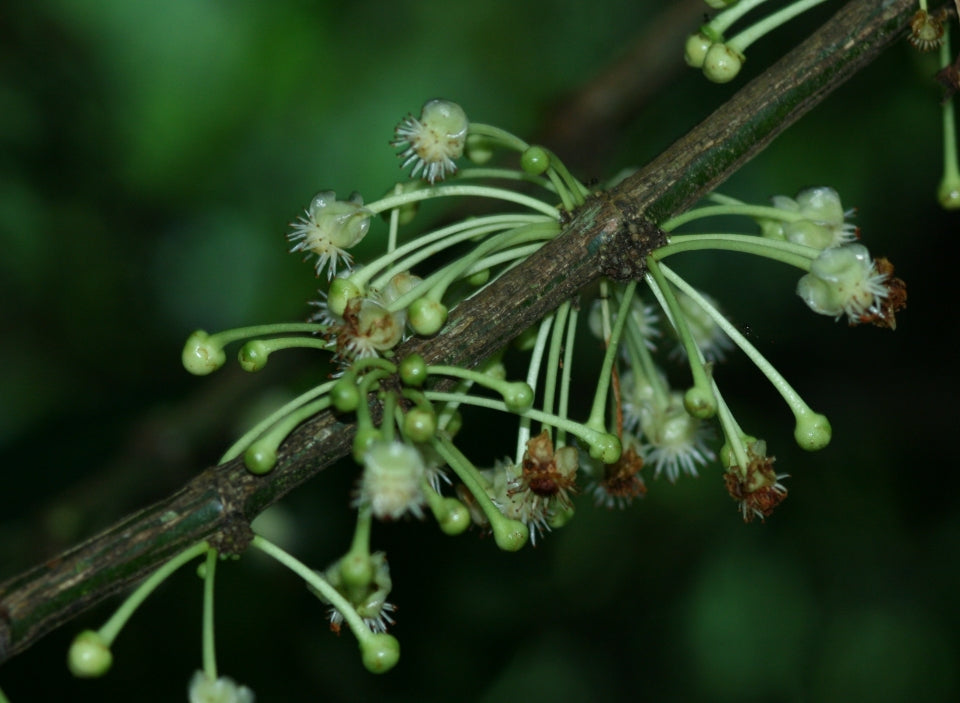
(426, 316)
(535, 160)
(420, 424)
(260, 457)
(605, 448)
(342, 291)
(380, 652)
(253, 355)
(200, 355)
(813, 432)
(363, 440)
(89, 656)
(345, 395)
(413, 370)
(518, 396)
(456, 519)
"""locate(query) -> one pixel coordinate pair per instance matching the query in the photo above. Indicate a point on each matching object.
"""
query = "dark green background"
(151, 156)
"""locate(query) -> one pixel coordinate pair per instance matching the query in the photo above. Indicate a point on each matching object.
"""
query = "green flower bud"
(253, 355)
(535, 160)
(771, 229)
(721, 64)
(605, 448)
(510, 535)
(813, 431)
(426, 316)
(479, 278)
(494, 369)
(345, 395)
(201, 354)
(456, 517)
(89, 655)
(363, 440)
(948, 193)
(260, 457)
(527, 339)
(380, 652)
(420, 424)
(413, 370)
(518, 396)
(695, 50)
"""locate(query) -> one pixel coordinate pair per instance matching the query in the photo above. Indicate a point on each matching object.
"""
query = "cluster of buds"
(721, 59)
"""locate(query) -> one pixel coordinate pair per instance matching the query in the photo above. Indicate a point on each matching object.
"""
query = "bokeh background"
(151, 156)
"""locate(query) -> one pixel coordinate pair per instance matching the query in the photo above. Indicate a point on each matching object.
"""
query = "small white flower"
(328, 228)
(221, 690)
(433, 142)
(844, 280)
(392, 481)
(675, 439)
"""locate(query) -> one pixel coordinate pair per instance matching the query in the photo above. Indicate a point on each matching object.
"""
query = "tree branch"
(610, 235)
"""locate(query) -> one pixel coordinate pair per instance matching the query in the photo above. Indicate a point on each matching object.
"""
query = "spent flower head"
(844, 280)
(367, 329)
(756, 488)
(433, 142)
(617, 485)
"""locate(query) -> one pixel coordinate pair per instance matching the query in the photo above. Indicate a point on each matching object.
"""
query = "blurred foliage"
(151, 155)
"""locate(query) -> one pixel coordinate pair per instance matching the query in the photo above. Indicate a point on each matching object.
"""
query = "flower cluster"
(646, 416)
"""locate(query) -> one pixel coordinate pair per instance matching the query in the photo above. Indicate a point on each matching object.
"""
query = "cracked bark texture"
(610, 235)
